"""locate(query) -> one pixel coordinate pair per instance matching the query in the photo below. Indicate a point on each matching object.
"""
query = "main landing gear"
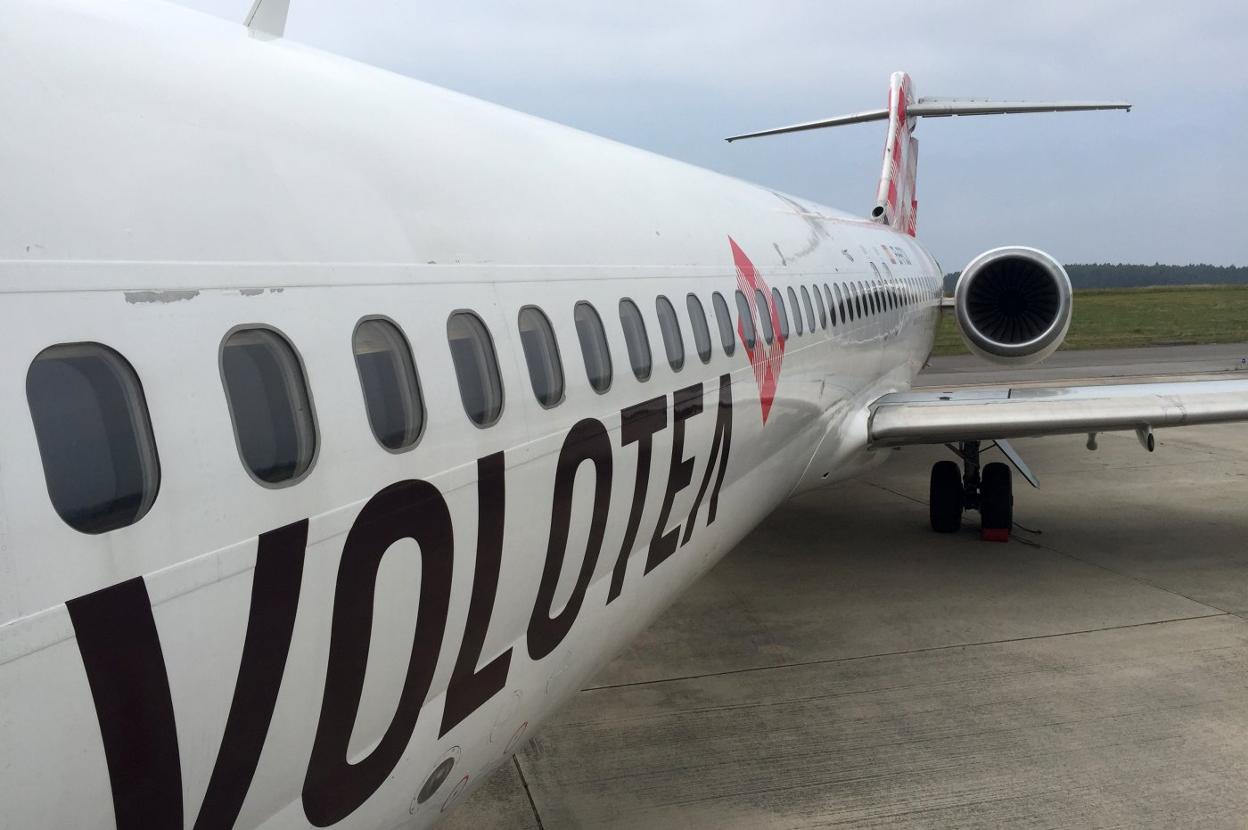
(954, 491)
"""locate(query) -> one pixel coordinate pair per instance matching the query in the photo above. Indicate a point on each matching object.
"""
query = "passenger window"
(94, 436)
(701, 332)
(823, 312)
(269, 405)
(781, 313)
(810, 310)
(476, 367)
(727, 337)
(827, 295)
(541, 353)
(797, 311)
(858, 298)
(594, 347)
(764, 315)
(388, 379)
(840, 301)
(747, 320)
(669, 328)
(635, 338)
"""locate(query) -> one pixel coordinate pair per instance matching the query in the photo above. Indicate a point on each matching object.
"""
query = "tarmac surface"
(847, 666)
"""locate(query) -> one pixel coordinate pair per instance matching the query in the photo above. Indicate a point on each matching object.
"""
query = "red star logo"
(765, 359)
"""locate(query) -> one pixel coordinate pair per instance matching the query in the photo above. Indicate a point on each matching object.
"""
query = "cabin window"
(476, 368)
(269, 405)
(669, 327)
(94, 436)
(388, 379)
(823, 312)
(810, 309)
(827, 295)
(764, 315)
(747, 321)
(782, 314)
(797, 311)
(594, 347)
(701, 332)
(723, 317)
(840, 301)
(635, 338)
(541, 353)
(857, 298)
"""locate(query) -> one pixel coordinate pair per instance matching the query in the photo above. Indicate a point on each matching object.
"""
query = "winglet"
(267, 18)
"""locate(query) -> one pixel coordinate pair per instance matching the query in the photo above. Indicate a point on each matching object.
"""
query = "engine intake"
(1013, 305)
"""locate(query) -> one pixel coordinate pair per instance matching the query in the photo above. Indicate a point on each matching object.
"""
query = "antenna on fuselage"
(267, 18)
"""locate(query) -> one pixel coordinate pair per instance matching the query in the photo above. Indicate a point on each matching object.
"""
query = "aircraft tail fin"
(895, 202)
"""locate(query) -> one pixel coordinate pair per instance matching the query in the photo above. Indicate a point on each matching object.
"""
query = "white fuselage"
(167, 179)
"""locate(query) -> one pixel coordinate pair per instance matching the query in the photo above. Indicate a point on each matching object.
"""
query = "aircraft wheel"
(996, 502)
(945, 497)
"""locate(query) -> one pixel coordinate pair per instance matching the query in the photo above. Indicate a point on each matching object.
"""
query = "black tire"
(996, 500)
(945, 497)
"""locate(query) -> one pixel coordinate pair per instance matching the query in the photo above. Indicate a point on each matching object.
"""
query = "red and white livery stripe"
(896, 195)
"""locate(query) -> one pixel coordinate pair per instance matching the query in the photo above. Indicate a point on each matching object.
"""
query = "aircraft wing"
(976, 414)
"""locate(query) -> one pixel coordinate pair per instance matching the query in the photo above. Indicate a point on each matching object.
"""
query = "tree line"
(1118, 275)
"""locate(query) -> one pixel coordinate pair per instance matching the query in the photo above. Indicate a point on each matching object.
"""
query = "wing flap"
(934, 417)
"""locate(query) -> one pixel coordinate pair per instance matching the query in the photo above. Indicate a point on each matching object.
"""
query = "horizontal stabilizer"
(896, 204)
(943, 108)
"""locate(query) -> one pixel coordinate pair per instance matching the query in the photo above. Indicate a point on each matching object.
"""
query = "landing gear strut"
(991, 493)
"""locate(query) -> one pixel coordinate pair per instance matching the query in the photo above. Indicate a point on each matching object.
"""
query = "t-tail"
(895, 202)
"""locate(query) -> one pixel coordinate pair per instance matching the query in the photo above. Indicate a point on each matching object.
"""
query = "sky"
(1163, 183)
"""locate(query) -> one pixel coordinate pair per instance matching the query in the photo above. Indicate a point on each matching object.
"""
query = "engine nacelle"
(1013, 305)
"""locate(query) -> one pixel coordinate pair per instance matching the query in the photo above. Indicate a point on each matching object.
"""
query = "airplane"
(353, 424)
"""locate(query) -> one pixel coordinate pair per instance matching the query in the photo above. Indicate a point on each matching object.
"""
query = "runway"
(845, 666)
